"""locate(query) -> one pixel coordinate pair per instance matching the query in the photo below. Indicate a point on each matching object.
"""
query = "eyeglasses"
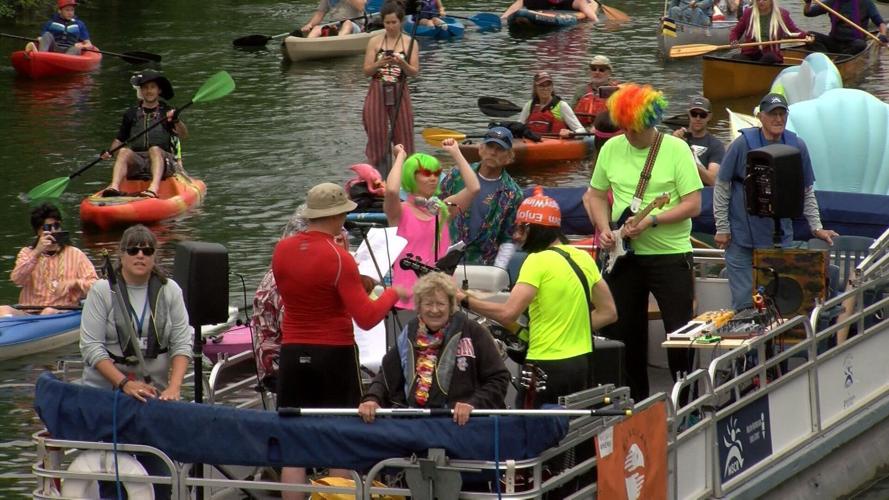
(146, 251)
(698, 114)
(600, 69)
(428, 173)
(54, 226)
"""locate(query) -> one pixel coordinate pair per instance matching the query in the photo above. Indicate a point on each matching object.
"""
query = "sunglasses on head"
(54, 226)
(146, 251)
(601, 69)
(698, 114)
(425, 172)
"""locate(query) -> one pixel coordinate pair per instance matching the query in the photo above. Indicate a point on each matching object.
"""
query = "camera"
(61, 237)
(605, 91)
(389, 52)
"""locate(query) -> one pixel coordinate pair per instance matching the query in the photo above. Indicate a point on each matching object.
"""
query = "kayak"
(46, 64)
(177, 194)
(453, 28)
(545, 18)
(297, 48)
(672, 33)
(233, 341)
(530, 153)
(26, 335)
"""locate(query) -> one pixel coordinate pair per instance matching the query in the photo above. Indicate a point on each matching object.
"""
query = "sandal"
(148, 194)
(111, 193)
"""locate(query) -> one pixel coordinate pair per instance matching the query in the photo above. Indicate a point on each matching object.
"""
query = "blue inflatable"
(814, 76)
(847, 133)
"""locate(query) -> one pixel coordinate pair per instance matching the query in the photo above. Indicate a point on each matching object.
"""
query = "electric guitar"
(533, 380)
(621, 244)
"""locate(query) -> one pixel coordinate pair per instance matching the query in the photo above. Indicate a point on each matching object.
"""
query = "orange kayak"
(530, 153)
(45, 64)
(177, 194)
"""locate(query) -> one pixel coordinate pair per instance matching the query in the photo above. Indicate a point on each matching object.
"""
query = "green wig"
(409, 177)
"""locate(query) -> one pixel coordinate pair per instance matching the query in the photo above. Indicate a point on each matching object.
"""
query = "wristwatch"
(465, 302)
(653, 220)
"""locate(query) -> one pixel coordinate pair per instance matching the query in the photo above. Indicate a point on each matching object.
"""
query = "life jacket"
(153, 346)
(65, 33)
(546, 121)
(754, 138)
(160, 136)
(589, 106)
(444, 366)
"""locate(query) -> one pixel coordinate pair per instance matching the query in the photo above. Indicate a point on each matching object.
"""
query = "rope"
(114, 444)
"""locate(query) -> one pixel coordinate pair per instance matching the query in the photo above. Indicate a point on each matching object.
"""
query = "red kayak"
(177, 194)
(45, 64)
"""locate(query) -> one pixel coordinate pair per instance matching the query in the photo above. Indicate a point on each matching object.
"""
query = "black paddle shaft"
(130, 57)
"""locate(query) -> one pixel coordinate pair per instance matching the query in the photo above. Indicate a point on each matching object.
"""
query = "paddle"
(614, 14)
(434, 135)
(848, 21)
(135, 57)
(497, 107)
(219, 85)
(699, 49)
(484, 20)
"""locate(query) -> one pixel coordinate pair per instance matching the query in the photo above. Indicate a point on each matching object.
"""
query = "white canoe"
(685, 33)
(303, 49)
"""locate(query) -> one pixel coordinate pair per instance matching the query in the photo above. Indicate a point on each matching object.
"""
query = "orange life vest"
(545, 121)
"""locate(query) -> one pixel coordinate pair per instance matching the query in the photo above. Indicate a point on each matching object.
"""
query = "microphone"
(352, 224)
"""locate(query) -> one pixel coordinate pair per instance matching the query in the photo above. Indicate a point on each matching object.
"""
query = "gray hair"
(297, 223)
(434, 282)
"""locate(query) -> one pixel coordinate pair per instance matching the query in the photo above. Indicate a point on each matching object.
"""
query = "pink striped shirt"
(53, 280)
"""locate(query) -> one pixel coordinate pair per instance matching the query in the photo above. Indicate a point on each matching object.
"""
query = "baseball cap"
(772, 101)
(539, 209)
(600, 60)
(699, 102)
(327, 199)
(64, 3)
(500, 136)
(542, 76)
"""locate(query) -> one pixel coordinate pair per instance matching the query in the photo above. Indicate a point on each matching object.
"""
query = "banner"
(632, 457)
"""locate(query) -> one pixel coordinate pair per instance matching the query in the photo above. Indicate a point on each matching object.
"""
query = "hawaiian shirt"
(498, 222)
(268, 314)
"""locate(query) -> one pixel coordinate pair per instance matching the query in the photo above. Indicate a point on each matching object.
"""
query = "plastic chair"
(845, 253)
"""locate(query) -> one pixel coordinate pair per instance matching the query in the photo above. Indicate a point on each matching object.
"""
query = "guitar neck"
(643, 214)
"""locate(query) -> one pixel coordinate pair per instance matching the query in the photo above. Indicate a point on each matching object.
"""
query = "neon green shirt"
(619, 166)
(559, 315)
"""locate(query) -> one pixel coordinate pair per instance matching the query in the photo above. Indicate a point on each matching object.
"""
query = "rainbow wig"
(409, 176)
(636, 107)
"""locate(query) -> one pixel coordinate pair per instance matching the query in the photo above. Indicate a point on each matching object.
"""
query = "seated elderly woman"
(455, 362)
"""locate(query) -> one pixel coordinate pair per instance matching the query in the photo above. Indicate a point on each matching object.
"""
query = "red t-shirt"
(319, 284)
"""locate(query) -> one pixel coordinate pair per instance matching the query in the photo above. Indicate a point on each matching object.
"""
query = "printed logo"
(634, 466)
(849, 380)
(732, 440)
(462, 364)
(465, 348)
(744, 438)
(774, 100)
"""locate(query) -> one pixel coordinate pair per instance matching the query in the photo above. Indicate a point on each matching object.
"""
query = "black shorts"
(319, 376)
(548, 5)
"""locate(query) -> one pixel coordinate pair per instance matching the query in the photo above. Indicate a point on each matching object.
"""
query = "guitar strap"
(580, 276)
(645, 176)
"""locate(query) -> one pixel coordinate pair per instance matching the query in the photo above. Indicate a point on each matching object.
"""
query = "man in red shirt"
(322, 292)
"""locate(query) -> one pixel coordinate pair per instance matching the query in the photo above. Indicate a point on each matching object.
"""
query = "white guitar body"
(617, 252)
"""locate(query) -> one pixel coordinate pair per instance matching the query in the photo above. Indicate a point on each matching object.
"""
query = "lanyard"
(140, 320)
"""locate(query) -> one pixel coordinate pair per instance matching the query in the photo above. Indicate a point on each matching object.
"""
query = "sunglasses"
(146, 251)
(545, 84)
(428, 173)
(54, 226)
(600, 69)
(699, 114)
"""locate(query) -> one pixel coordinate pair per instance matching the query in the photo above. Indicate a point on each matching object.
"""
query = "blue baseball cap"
(500, 136)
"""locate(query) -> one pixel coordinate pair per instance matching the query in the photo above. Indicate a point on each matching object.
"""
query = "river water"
(285, 128)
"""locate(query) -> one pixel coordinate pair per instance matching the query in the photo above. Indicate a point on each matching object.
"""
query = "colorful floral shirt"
(268, 314)
(498, 221)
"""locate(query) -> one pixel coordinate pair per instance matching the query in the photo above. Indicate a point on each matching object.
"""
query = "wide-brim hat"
(327, 199)
(150, 75)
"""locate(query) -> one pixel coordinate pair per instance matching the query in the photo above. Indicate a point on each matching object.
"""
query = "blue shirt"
(747, 230)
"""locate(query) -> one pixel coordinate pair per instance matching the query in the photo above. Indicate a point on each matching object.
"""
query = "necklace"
(48, 277)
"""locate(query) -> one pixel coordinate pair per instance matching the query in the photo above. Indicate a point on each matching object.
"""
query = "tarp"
(196, 433)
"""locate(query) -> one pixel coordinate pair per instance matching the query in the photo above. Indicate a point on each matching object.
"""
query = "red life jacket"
(545, 121)
(589, 106)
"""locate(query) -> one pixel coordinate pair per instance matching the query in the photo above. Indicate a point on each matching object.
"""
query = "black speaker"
(774, 182)
(608, 361)
(201, 270)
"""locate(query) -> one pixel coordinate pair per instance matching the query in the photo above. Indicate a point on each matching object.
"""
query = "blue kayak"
(545, 18)
(24, 335)
(452, 28)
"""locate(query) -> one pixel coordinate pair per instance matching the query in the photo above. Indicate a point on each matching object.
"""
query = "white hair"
(776, 24)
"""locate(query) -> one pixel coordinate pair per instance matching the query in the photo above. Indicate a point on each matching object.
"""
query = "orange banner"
(632, 457)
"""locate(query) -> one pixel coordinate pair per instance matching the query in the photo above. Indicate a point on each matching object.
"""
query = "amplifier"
(801, 282)
(608, 361)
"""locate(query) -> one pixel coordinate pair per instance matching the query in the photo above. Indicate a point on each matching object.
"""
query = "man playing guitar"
(639, 167)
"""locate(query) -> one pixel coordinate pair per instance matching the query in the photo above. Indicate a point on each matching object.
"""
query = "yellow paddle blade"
(434, 135)
(694, 49)
(614, 14)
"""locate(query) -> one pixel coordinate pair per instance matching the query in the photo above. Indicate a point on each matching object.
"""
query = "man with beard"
(589, 101)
